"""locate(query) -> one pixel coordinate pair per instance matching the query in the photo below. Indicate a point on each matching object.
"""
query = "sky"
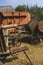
(15, 3)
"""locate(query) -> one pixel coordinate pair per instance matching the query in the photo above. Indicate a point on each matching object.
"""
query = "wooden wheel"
(17, 42)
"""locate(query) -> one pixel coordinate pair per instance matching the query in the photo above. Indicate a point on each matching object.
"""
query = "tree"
(20, 8)
(37, 12)
(27, 8)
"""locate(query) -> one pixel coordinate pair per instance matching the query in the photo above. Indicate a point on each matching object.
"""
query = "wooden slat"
(9, 26)
(17, 50)
(20, 49)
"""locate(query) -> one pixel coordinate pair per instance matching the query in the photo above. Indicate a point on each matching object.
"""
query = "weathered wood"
(23, 49)
(2, 40)
(27, 57)
(38, 36)
(9, 26)
(17, 50)
(20, 49)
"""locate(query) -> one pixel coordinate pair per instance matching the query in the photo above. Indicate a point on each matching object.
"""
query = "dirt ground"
(35, 53)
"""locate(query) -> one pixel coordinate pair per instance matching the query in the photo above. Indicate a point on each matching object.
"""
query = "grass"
(35, 54)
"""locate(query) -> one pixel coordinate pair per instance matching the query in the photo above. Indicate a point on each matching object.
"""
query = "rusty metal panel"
(19, 18)
(32, 25)
(40, 26)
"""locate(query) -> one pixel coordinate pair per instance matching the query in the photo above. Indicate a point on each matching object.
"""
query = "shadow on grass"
(25, 40)
(29, 40)
(20, 62)
(7, 60)
(11, 59)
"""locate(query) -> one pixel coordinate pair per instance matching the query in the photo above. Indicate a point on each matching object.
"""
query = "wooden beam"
(9, 26)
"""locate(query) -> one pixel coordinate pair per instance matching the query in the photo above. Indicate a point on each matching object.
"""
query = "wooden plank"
(20, 49)
(2, 40)
(17, 50)
(40, 36)
(9, 26)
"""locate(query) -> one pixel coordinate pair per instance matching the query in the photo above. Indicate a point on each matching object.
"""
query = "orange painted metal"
(20, 18)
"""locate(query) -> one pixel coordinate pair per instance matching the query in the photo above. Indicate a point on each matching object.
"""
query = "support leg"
(27, 57)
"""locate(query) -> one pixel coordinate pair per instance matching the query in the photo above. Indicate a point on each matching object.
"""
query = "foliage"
(20, 8)
(35, 10)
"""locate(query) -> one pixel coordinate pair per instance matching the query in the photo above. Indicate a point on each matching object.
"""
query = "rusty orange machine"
(11, 20)
(19, 18)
